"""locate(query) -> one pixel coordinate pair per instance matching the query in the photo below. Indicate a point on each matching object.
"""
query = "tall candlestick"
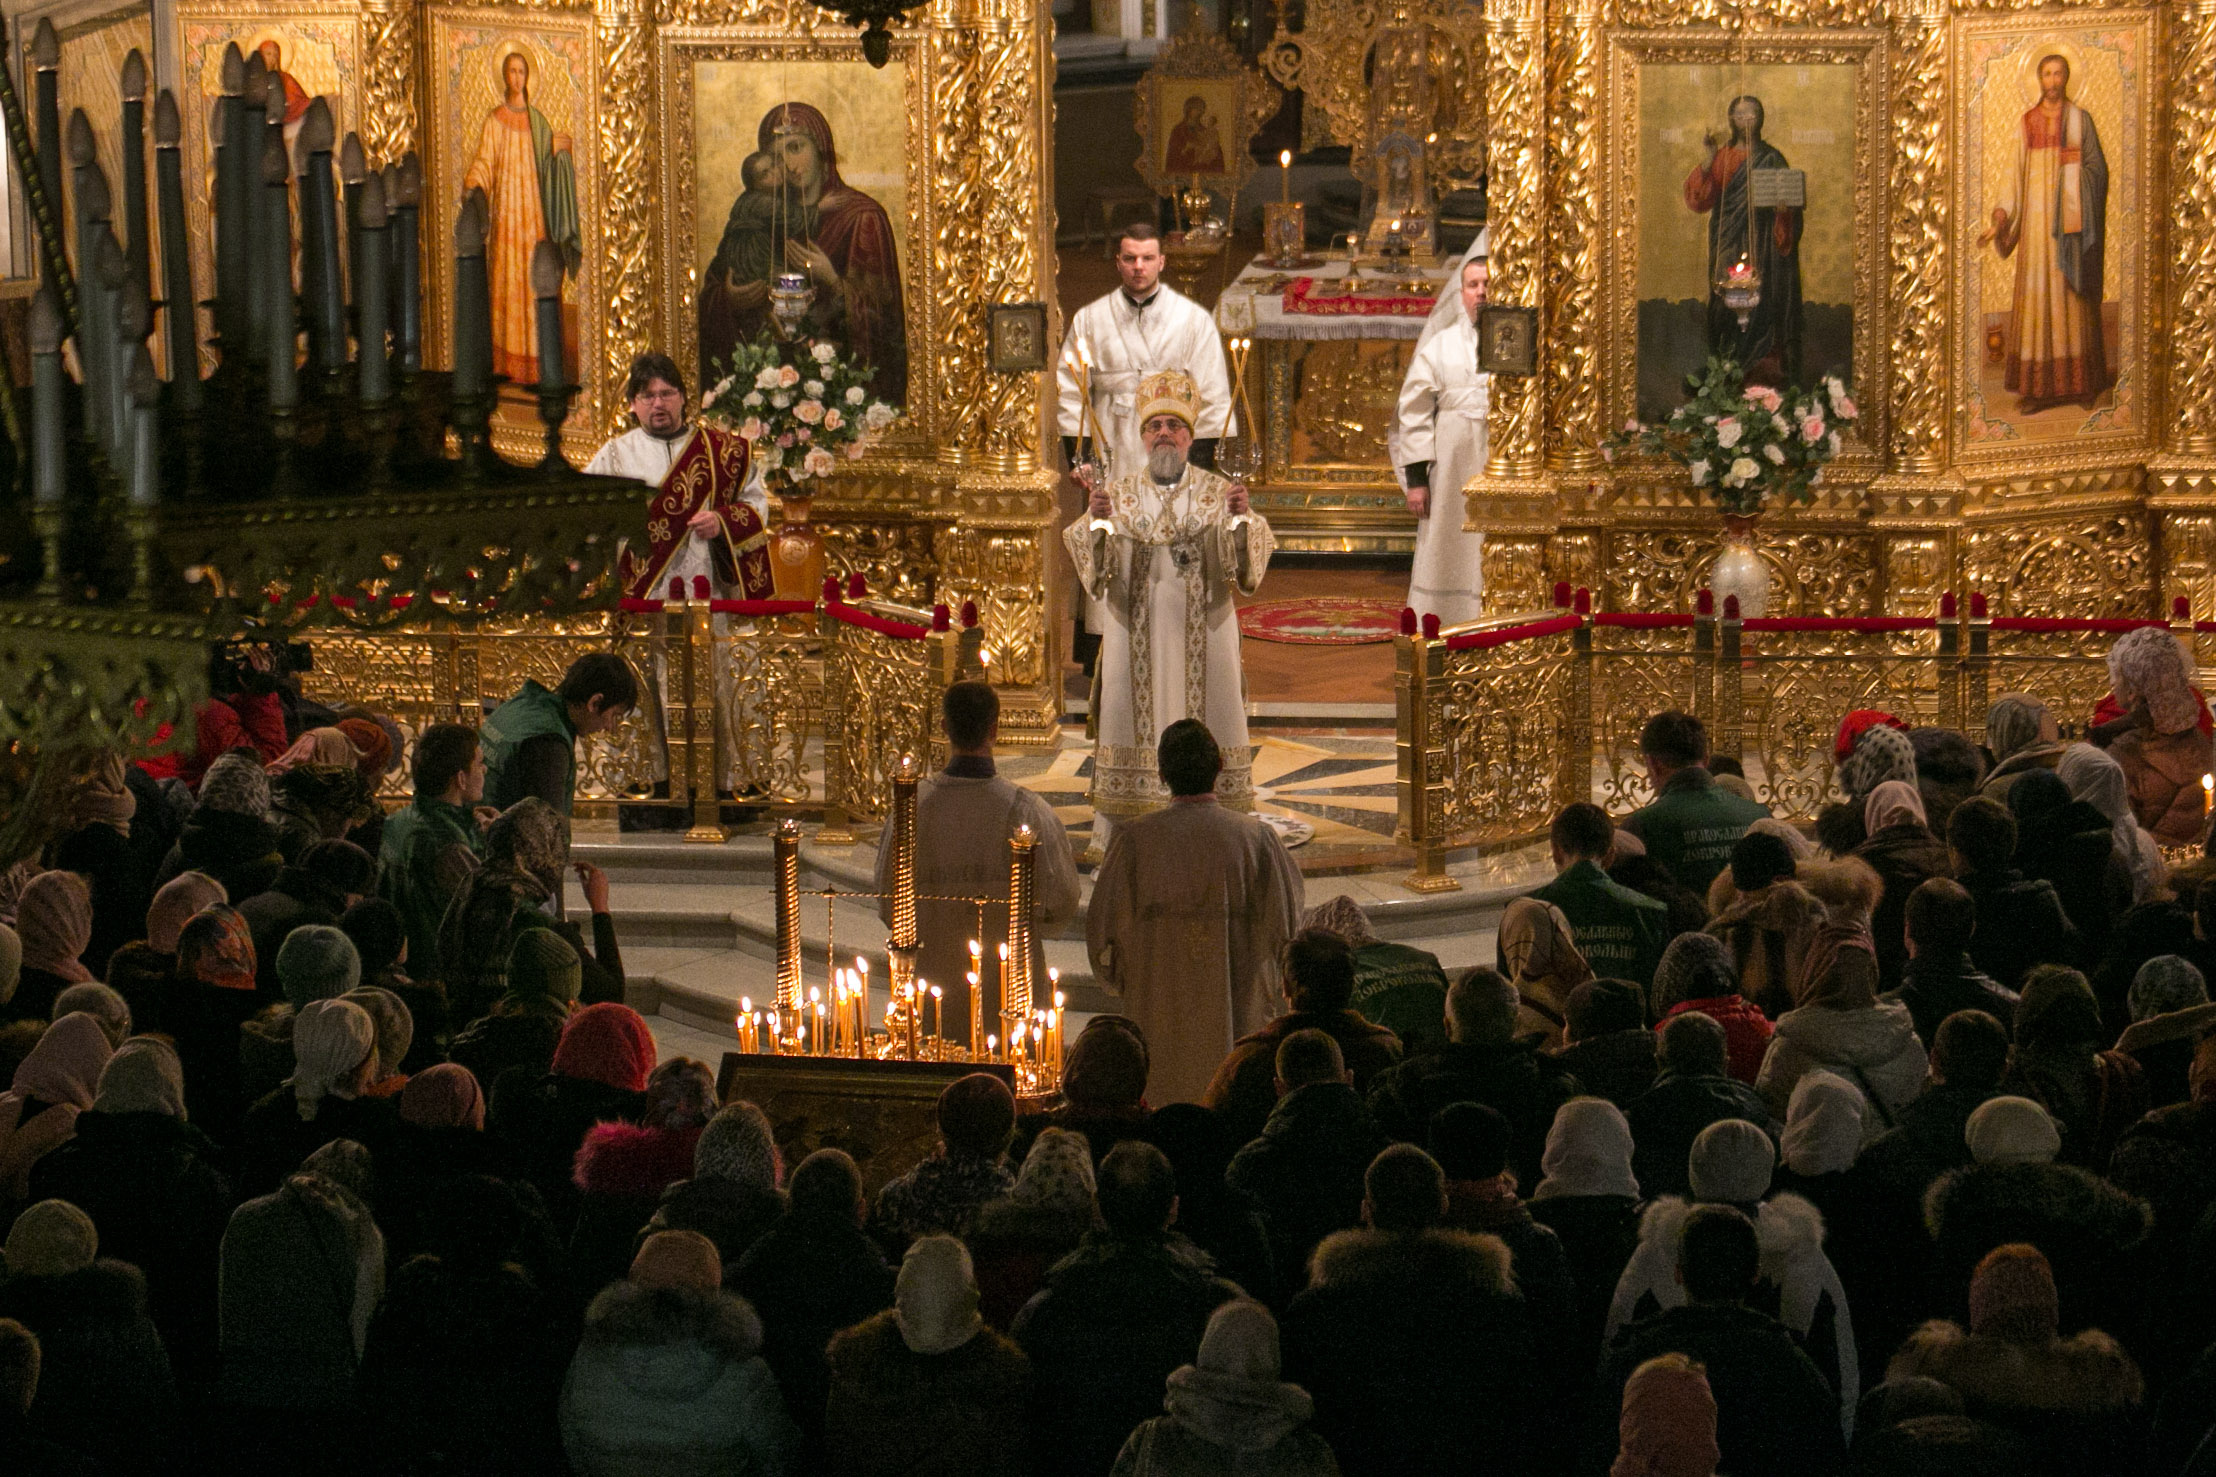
(1285, 176)
(786, 857)
(353, 170)
(404, 195)
(282, 348)
(319, 240)
(95, 323)
(472, 301)
(46, 59)
(254, 141)
(546, 283)
(233, 207)
(146, 450)
(137, 252)
(49, 476)
(1022, 911)
(181, 317)
(372, 288)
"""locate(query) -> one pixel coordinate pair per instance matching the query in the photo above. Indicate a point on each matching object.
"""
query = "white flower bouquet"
(1748, 443)
(803, 406)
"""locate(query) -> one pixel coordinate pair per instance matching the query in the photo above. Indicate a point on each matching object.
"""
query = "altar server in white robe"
(1439, 444)
(1165, 548)
(1190, 914)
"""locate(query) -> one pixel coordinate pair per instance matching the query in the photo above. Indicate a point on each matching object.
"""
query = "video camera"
(257, 666)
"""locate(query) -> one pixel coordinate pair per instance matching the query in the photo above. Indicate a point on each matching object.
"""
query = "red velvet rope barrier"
(2055, 623)
(1528, 631)
(839, 610)
(762, 607)
(1873, 623)
(1644, 620)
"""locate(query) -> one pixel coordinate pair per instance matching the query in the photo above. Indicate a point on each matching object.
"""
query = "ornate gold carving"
(1921, 206)
(388, 123)
(1330, 60)
(622, 37)
(1515, 84)
(2096, 564)
(1203, 55)
(1811, 573)
(1794, 688)
(2192, 194)
(895, 558)
(1348, 391)
(1515, 574)
(1573, 143)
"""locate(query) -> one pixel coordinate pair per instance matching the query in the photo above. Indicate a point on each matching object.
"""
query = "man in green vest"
(1398, 986)
(530, 740)
(1692, 823)
(1621, 933)
(431, 844)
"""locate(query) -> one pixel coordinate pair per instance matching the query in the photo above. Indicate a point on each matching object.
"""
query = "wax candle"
(181, 318)
(281, 344)
(546, 283)
(132, 83)
(1285, 175)
(936, 994)
(372, 289)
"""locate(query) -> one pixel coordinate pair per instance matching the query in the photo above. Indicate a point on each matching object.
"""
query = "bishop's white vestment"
(1165, 566)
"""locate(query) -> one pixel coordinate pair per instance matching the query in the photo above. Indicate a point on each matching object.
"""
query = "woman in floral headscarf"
(212, 997)
(525, 851)
(54, 919)
(2155, 723)
(1035, 1225)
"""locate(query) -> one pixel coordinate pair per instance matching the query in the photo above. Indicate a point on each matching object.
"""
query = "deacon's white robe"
(1165, 565)
(644, 457)
(1190, 911)
(1443, 403)
(962, 828)
(1123, 344)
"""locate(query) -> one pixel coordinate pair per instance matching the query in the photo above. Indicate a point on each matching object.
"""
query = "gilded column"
(1510, 500)
(388, 39)
(1916, 504)
(625, 34)
(2181, 483)
(1573, 429)
(993, 86)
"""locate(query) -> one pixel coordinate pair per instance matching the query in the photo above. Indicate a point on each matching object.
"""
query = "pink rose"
(832, 420)
(1765, 397)
(753, 428)
(787, 376)
(1812, 429)
(1846, 408)
(819, 463)
(805, 434)
(808, 411)
(786, 439)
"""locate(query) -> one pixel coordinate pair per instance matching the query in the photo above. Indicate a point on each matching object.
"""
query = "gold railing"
(1504, 720)
(784, 705)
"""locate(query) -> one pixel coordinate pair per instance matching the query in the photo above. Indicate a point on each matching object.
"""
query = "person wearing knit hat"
(2080, 1396)
(597, 1074)
(1229, 1411)
(317, 962)
(544, 974)
(2012, 1130)
(1732, 1163)
(739, 1146)
(334, 1045)
(1668, 1424)
(51, 1239)
(943, 1194)
(236, 784)
(372, 744)
(678, 1259)
(395, 1034)
(144, 1076)
(734, 1196)
(174, 904)
(1607, 1044)
(1106, 1067)
(927, 1364)
(443, 1096)
(103, 1003)
(1823, 1128)
(524, 1026)
(1014, 1241)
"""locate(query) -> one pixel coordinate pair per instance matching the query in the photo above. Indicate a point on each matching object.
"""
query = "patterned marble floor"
(1339, 783)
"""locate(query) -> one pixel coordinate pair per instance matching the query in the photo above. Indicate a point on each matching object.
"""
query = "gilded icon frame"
(1209, 62)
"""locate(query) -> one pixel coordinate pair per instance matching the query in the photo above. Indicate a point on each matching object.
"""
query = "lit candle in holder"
(936, 995)
(1285, 175)
(2208, 792)
(992, 1048)
(746, 1023)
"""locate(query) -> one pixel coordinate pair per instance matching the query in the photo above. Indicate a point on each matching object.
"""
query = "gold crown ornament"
(1169, 392)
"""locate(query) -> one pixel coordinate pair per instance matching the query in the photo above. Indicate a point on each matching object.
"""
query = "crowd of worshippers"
(1890, 1151)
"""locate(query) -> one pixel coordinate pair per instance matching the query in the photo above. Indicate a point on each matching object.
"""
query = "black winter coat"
(1667, 1117)
(807, 1279)
(1305, 1172)
(1774, 1410)
(2092, 1233)
(1934, 989)
(1513, 1080)
(104, 1383)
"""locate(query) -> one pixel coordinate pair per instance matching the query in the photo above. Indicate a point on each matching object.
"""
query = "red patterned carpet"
(1321, 620)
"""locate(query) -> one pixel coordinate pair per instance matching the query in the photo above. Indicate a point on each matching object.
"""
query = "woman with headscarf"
(2170, 1016)
(1767, 915)
(1668, 1424)
(1838, 1024)
(2072, 846)
(599, 1074)
(54, 921)
(96, 842)
(150, 1182)
(229, 835)
(55, 1083)
(2157, 726)
(334, 1046)
(2021, 734)
(144, 971)
(1697, 973)
(2077, 1398)
(928, 1364)
(318, 793)
(1399, 986)
(525, 851)
(1588, 1196)
(1900, 848)
(438, 1141)
(1018, 1237)
(2097, 779)
(1538, 953)
(1229, 1412)
(395, 1035)
(2058, 1062)
(1881, 752)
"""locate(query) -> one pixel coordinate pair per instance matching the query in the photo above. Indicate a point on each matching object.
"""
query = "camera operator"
(245, 711)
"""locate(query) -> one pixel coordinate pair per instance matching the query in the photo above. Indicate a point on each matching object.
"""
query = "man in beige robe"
(964, 817)
(1191, 911)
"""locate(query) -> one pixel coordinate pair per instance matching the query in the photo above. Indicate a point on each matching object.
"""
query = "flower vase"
(1739, 570)
(796, 551)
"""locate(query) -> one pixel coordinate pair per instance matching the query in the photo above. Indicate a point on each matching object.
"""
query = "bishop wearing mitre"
(1164, 548)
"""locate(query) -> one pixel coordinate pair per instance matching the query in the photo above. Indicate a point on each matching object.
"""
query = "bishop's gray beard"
(1165, 463)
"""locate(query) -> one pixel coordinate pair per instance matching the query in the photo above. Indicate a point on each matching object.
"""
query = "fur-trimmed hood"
(2186, 1025)
(626, 1159)
(2012, 1195)
(1785, 904)
(2087, 1374)
(1788, 1228)
(1848, 887)
(1869, 1039)
(1433, 1258)
(653, 1321)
